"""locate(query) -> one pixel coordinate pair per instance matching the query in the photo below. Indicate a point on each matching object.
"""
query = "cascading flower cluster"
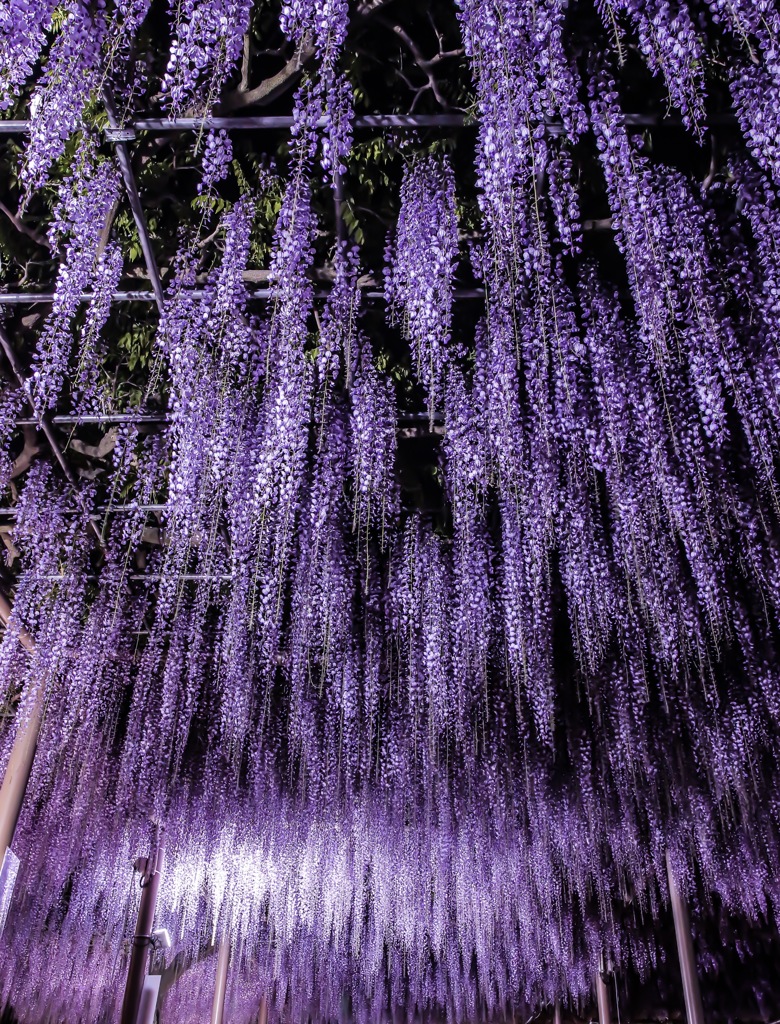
(23, 28)
(414, 761)
(755, 80)
(91, 262)
(523, 78)
(323, 26)
(421, 263)
(670, 44)
(73, 71)
(208, 37)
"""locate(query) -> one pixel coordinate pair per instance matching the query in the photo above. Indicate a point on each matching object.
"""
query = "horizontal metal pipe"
(108, 418)
(253, 295)
(111, 418)
(154, 577)
(104, 510)
(405, 121)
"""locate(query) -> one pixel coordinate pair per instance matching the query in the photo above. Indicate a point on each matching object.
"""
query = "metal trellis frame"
(121, 136)
(253, 295)
(407, 122)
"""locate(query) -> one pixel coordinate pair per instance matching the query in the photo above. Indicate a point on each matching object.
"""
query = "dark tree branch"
(245, 62)
(269, 89)
(27, 454)
(369, 7)
(19, 224)
(425, 64)
(178, 966)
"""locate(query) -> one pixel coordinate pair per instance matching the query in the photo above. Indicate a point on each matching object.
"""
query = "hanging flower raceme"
(759, 202)
(671, 45)
(12, 401)
(323, 27)
(207, 40)
(661, 231)
(90, 263)
(372, 448)
(467, 477)
(524, 78)
(217, 155)
(755, 74)
(324, 673)
(51, 592)
(72, 74)
(339, 347)
(269, 471)
(420, 592)
(23, 27)
(421, 262)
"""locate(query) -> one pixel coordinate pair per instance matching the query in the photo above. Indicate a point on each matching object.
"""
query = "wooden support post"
(557, 1014)
(17, 772)
(151, 869)
(220, 983)
(602, 994)
(694, 1010)
(262, 1016)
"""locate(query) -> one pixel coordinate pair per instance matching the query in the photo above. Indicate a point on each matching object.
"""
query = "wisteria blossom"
(424, 592)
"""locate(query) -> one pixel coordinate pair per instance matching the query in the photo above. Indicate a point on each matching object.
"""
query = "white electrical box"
(148, 1003)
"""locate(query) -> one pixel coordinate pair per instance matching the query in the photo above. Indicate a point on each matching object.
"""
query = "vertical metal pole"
(126, 167)
(262, 1016)
(557, 1015)
(150, 869)
(694, 1010)
(602, 995)
(17, 772)
(220, 984)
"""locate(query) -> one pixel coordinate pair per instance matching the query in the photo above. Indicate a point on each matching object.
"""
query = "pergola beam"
(407, 122)
(253, 295)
